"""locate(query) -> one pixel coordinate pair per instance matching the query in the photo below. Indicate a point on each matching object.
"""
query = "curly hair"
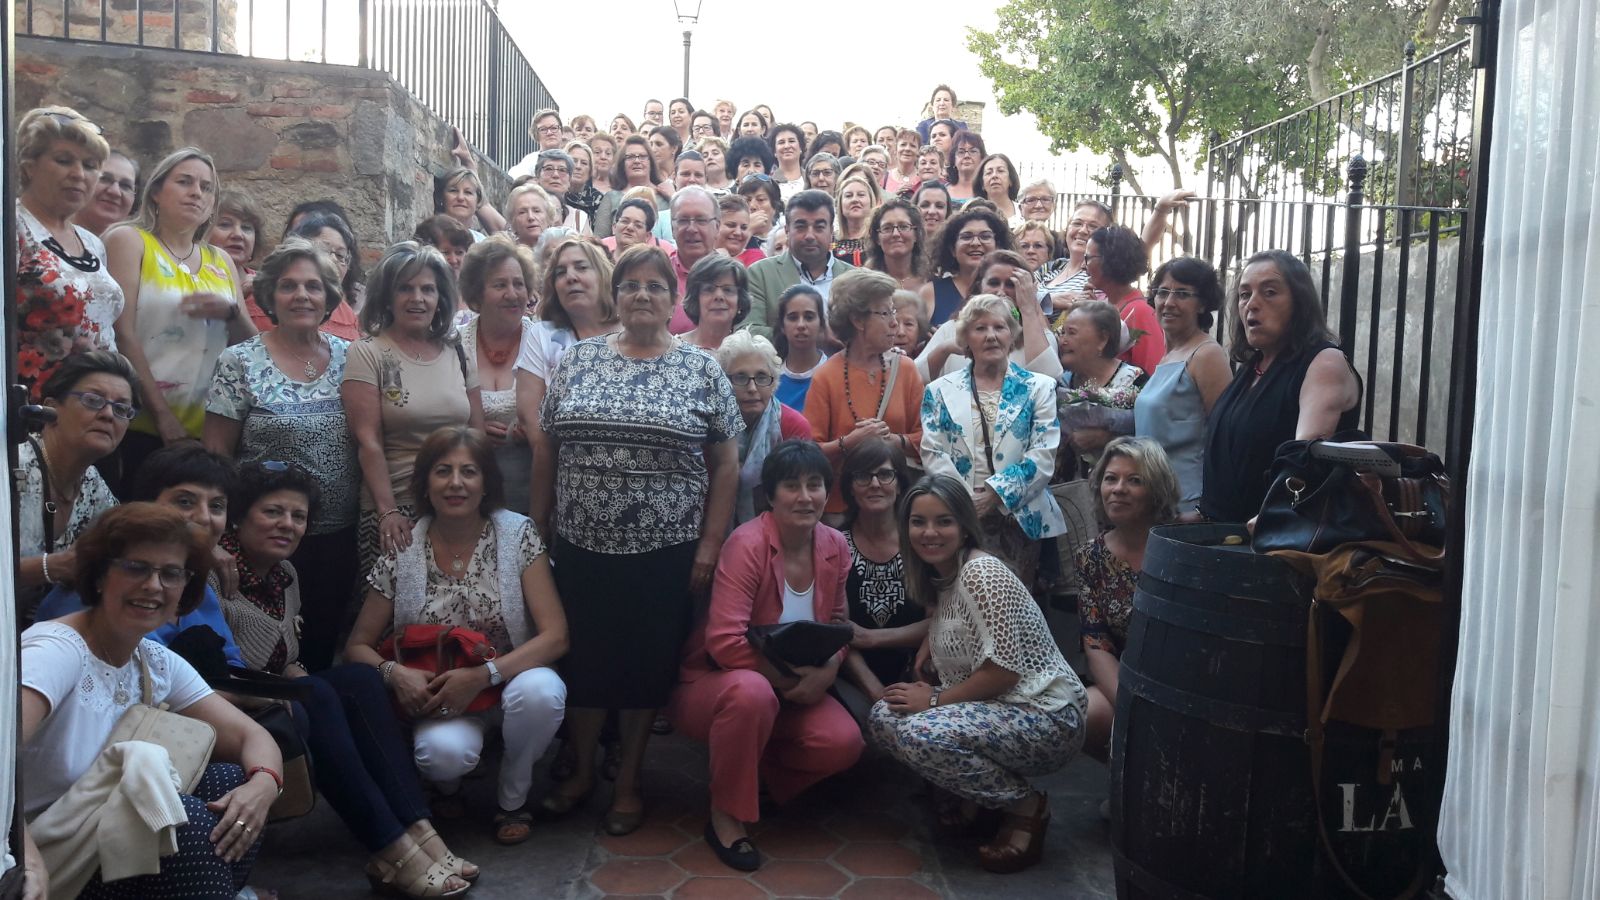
(286, 254)
(946, 258)
(258, 479)
(875, 248)
(1123, 255)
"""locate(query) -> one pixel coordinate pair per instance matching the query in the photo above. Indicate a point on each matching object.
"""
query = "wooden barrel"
(1211, 776)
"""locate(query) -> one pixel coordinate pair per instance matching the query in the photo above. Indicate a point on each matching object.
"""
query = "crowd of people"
(712, 371)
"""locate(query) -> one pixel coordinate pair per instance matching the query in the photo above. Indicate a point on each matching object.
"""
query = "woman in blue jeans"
(361, 760)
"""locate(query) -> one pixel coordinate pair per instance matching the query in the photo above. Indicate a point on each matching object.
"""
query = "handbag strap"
(1372, 486)
(147, 689)
(44, 507)
(888, 388)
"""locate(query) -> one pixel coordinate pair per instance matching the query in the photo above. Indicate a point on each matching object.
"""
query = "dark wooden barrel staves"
(1211, 776)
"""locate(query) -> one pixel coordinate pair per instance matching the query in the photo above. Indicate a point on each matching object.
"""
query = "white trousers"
(530, 711)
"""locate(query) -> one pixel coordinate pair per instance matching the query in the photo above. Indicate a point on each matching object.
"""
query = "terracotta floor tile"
(698, 859)
(789, 839)
(654, 838)
(868, 826)
(719, 889)
(870, 858)
(793, 878)
(888, 889)
(637, 876)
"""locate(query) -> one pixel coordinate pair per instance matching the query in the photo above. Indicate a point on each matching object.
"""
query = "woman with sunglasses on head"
(95, 395)
(275, 397)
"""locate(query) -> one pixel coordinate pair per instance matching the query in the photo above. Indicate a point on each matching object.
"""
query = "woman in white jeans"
(471, 564)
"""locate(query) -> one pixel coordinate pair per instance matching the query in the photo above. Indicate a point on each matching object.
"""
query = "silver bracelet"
(44, 563)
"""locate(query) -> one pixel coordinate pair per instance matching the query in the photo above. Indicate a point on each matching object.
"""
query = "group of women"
(504, 436)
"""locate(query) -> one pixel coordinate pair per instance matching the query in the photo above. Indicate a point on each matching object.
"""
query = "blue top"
(926, 125)
(946, 301)
(63, 601)
(1171, 411)
(792, 388)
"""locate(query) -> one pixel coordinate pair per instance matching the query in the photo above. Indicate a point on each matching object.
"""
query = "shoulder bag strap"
(44, 508)
(888, 386)
(147, 690)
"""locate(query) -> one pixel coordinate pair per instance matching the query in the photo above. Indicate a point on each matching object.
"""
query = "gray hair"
(292, 250)
(558, 155)
(695, 190)
(827, 159)
(1150, 459)
(740, 344)
(1039, 182)
(986, 305)
(552, 211)
(401, 263)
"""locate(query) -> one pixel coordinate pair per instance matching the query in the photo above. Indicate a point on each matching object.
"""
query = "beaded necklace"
(883, 385)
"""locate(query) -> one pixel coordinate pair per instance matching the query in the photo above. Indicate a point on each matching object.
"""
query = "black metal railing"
(454, 55)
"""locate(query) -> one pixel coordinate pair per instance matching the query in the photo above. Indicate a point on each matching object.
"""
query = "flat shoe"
(618, 824)
(742, 855)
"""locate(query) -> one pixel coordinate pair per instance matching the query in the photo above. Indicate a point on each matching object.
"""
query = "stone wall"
(83, 20)
(283, 132)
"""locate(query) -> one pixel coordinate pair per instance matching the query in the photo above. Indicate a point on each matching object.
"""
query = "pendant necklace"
(183, 262)
(310, 369)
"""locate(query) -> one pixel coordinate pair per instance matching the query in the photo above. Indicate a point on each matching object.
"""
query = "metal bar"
(496, 119)
(288, 27)
(250, 20)
(322, 50)
(105, 18)
(364, 38)
(1373, 321)
(177, 24)
(216, 42)
(1350, 299)
(1429, 291)
(1327, 255)
(138, 12)
(1402, 279)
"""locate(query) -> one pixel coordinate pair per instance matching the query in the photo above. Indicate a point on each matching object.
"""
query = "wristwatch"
(495, 677)
(933, 699)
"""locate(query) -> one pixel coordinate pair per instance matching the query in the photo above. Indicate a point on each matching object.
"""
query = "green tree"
(1113, 76)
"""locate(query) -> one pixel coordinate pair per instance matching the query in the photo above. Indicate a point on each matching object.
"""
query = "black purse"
(1328, 493)
(804, 643)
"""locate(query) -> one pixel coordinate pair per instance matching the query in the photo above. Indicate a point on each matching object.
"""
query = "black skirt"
(627, 618)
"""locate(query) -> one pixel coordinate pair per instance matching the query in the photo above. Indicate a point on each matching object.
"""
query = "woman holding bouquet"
(1096, 391)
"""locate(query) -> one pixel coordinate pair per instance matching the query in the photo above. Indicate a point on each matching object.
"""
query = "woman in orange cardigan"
(762, 725)
(868, 392)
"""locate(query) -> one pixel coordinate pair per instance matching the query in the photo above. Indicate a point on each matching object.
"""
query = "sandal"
(1002, 856)
(513, 827)
(409, 878)
(454, 863)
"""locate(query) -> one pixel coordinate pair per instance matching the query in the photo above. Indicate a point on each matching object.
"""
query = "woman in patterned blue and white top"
(641, 427)
(275, 398)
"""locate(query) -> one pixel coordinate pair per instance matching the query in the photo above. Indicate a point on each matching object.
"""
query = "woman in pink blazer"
(782, 566)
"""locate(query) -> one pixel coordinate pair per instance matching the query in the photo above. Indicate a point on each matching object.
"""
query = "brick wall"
(283, 132)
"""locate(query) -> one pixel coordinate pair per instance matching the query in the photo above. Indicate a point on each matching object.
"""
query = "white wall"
(1522, 802)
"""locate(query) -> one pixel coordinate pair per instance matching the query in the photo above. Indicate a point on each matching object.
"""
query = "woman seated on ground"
(765, 726)
(471, 563)
(139, 565)
(1001, 273)
(888, 629)
(1135, 490)
(95, 395)
(993, 425)
(352, 735)
(799, 340)
(752, 365)
(1004, 704)
(716, 298)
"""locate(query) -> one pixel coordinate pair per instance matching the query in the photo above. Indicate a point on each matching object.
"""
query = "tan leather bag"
(188, 741)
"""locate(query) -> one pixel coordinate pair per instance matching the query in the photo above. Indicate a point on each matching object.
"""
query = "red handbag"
(437, 649)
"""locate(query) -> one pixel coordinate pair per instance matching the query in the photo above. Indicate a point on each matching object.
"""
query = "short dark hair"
(648, 209)
(1123, 255)
(780, 340)
(79, 366)
(825, 138)
(439, 444)
(442, 230)
(1198, 274)
(810, 201)
(705, 273)
(312, 226)
(1307, 323)
(185, 462)
(697, 115)
(258, 479)
(952, 229)
(668, 134)
(619, 169)
(750, 184)
(868, 456)
(794, 458)
(748, 146)
(791, 128)
(121, 527)
(646, 256)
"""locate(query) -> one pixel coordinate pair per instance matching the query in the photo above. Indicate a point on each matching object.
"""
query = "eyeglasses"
(896, 228)
(124, 184)
(339, 256)
(554, 169)
(701, 130)
(655, 289)
(967, 151)
(1087, 257)
(635, 157)
(94, 402)
(1037, 201)
(549, 129)
(695, 222)
(1162, 293)
(881, 476)
(982, 237)
(762, 379)
(139, 571)
(882, 313)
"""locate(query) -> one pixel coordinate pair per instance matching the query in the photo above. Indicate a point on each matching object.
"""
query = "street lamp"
(688, 11)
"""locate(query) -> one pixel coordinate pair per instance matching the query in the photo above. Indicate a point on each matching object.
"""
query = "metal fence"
(454, 55)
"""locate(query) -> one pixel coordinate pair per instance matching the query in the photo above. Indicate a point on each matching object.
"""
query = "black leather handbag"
(1328, 493)
(803, 643)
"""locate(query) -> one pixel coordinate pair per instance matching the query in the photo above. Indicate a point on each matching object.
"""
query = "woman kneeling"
(781, 566)
(1006, 705)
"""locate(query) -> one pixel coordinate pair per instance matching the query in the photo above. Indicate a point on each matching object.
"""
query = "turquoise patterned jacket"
(1026, 435)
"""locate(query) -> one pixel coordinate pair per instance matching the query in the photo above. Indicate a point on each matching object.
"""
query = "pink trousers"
(754, 738)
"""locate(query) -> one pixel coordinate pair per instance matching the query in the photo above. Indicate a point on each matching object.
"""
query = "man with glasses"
(696, 227)
(808, 259)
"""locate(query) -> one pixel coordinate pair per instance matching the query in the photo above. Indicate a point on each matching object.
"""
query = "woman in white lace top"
(1004, 704)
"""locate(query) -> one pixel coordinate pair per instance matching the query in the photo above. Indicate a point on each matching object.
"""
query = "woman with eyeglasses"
(1037, 244)
(634, 223)
(632, 552)
(752, 366)
(67, 300)
(276, 397)
(964, 173)
(635, 167)
(703, 124)
(95, 394)
(894, 243)
(114, 194)
(964, 241)
(1038, 201)
(1065, 280)
(1176, 402)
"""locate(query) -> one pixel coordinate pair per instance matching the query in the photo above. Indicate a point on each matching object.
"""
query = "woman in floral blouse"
(642, 428)
(1136, 490)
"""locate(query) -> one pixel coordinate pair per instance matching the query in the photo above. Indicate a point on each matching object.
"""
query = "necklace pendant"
(121, 697)
(311, 371)
(457, 565)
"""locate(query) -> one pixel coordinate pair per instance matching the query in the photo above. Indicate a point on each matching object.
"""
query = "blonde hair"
(550, 308)
(148, 215)
(1150, 460)
(742, 343)
(42, 127)
(986, 305)
(857, 172)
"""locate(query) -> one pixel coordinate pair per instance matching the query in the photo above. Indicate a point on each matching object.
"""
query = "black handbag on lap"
(1349, 489)
(789, 644)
